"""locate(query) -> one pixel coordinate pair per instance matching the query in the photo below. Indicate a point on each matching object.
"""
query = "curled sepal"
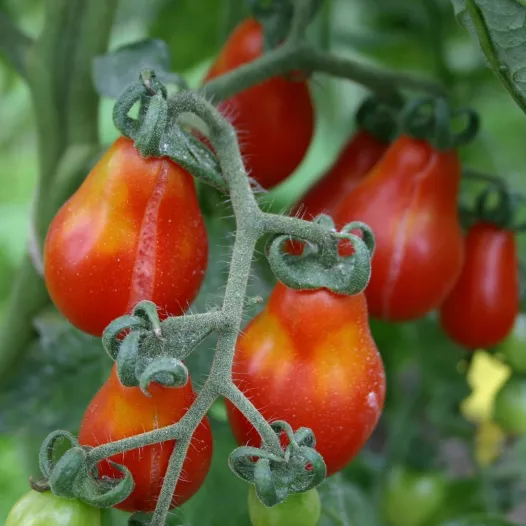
(110, 337)
(501, 212)
(45, 457)
(166, 371)
(299, 469)
(72, 478)
(322, 266)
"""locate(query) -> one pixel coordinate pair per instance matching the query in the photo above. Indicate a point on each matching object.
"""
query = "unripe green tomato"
(411, 498)
(509, 411)
(300, 509)
(514, 346)
(46, 509)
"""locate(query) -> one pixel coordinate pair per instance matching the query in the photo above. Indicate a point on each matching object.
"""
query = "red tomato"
(274, 119)
(357, 158)
(310, 359)
(481, 309)
(118, 412)
(409, 199)
(133, 231)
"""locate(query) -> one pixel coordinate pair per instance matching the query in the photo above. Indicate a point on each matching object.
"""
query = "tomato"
(514, 346)
(274, 119)
(300, 509)
(509, 411)
(409, 199)
(411, 498)
(483, 305)
(118, 412)
(356, 159)
(309, 359)
(45, 509)
(132, 231)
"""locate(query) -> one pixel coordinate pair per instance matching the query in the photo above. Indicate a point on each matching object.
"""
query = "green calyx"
(152, 351)
(496, 205)
(73, 477)
(379, 118)
(321, 266)
(432, 120)
(157, 134)
(299, 469)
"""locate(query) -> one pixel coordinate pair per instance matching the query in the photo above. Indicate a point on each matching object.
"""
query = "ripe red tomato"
(309, 359)
(357, 158)
(132, 231)
(274, 119)
(118, 412)
(481, 309)
(409, 199)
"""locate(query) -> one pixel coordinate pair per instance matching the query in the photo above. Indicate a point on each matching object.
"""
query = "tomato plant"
(274, 119)
(45, 509)
(510, 406)
(514, 346)
(409, 199)
(356, 159)
(132, 231)
(301, 509)
(309, 359)
(118, 412)
(412, 498)
(482, 307)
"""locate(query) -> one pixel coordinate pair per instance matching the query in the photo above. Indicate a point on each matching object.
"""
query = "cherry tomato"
(509, 411)
(357, 158)
(45, 509)
(118, 412)
(409, 199)
(132, 231)
(300, 509)
(274, 119)
(514, 346)
(483, 305)
(309, 359)
(411, 498)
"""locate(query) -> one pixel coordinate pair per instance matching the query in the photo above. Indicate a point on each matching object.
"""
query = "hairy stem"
(300, 55)
(14, 44)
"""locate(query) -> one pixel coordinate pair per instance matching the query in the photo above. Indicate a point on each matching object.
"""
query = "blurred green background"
(423, 37)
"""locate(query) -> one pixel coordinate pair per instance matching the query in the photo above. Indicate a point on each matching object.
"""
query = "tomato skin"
(46, 509)
(299, 509)
(509, 411)
(132, 231)
(356, 159)
(309, 359)
(483, 305)
(411, 498)
(118, 412)
(274, 119)
(409, 199)
(514, 346)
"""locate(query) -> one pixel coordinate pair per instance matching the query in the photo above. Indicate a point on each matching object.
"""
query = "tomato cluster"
(134, 231)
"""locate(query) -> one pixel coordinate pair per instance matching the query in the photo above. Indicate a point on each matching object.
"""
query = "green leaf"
(499, 27)
(44, 392)
(116, 70)
(345, 504)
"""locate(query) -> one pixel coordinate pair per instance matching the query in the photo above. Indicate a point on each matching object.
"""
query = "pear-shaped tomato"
(274, 119)
(356, 159)
(133, 231)
(409, 199)
(481, 310)
(118, 412)
(309, 359)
